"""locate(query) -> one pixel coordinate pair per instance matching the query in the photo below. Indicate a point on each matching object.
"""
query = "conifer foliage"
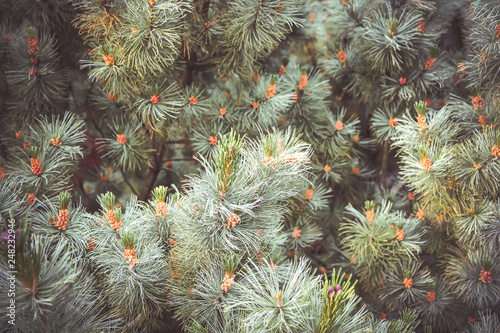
(249, 166)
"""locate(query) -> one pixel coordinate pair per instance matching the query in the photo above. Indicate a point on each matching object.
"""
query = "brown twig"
(127, 181)
(172, 171)
(179, 141)
(385, 157)
(150, 180)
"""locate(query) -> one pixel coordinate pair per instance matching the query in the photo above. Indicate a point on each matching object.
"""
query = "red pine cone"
(213, 140)
(421, 26)
(478, 102)
(228, 282)
(495, 151)
(91, 244)
(120, 138)
(155, 99)
(56, 141)
(31, 198)
(342, 57)
(131, 257)
(426, 163)
(400, 234)
(303, 82)
(109, 60)
(36, 166)
(161, 210)
(296, 233)
(271, 91)
(485, 276)
(62, 221)
(339, 125)
(113, 222)
(429, 64)
(309, 194)
(431, 296)
(370, 215)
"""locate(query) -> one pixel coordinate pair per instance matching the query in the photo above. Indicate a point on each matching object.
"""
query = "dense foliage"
(250, 166)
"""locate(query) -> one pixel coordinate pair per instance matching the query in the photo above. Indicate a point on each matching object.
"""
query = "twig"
(173, 171)
(127, 181)
(153, 173)
(179, 141)
(385, 156)
(180, 159)
(310, 254)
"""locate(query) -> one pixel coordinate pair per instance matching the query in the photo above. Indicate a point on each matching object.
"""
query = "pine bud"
(155, 99)
(478, 102)
(296, 233)
(36, 166)
(421, 122)
(109, 60)
(495, 151)
(213, 140)
(271, 90)
(370, 215)
(161, 209)
(339, 125)
(426, 163)
(400, 234)
(429, 63)
(331, 291)
(431, 296)
(485, 276)
(232, 221)
(55, 141)
(31, 198)
(227, 282)
(63, 219)
(3, 174)
(309, 194)
(279, 299)
(342, 57)
(393, 122)
(408, 282)
(131, 257)
(303, 82)
(91, 245)
(421, 26)
(120, 138)
(482, 119)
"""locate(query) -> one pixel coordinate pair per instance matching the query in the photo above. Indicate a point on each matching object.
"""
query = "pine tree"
(253, 166)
